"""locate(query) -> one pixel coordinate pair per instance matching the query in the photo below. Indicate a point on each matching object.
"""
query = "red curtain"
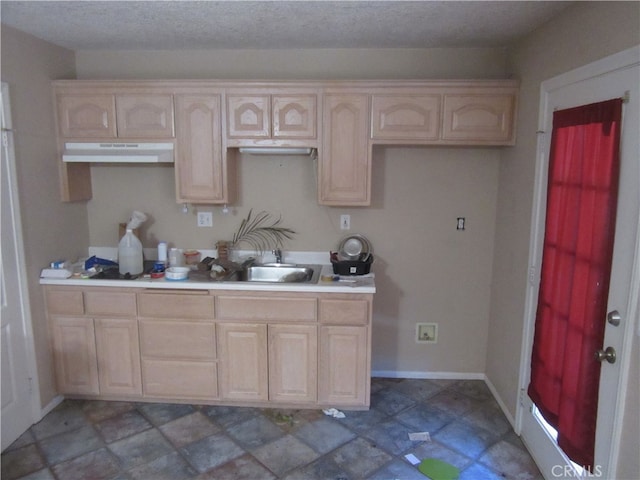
(582, 196)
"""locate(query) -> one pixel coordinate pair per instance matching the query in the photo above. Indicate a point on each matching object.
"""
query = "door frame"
(18, 239)
(622, 60)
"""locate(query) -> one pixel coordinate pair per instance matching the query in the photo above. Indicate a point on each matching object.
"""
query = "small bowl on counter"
(176, 273)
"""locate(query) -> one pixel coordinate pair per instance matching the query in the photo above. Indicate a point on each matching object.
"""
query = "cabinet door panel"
(118, 356)
(405, 117)
(293, 363)
(144, 116)
(294, 116)
(201, 173)
(180, 379)
(242, 350)
(478, 118)
(86, 116)
(74, 351)
(345, 163)
(248, 116)
(343, 365)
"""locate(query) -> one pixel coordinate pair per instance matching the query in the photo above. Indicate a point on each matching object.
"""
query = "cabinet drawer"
(344, 311)
(105, 303)
(65, 302)
(265, 308)
(179, 379)
(175, 305)
(175, 339)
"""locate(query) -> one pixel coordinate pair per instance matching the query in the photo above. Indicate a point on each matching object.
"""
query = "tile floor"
(118, 440)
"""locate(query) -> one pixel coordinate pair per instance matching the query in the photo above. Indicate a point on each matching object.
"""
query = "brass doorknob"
(608, 354)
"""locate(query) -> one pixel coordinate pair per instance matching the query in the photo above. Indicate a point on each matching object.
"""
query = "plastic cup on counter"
(191, 257)
(176, 258)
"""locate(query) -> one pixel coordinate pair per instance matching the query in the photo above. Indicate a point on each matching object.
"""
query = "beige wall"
(51, 229)
(348, 63)
(584, 33)
(426, 270)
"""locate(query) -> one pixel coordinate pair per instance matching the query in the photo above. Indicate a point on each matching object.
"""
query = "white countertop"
(345, 284)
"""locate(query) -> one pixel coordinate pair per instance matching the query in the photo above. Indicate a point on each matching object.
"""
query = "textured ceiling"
(153, 25)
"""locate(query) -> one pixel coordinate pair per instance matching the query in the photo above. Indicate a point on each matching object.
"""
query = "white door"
(17, 414)
(600, 81)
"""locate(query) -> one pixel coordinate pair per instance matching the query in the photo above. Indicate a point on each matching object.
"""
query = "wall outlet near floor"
(205, 219)
(345, 222)
(427, 332)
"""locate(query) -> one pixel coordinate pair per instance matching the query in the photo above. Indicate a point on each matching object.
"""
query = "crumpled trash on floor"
(333, 412)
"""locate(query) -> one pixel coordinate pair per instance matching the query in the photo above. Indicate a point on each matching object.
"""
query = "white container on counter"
(130, 254)
(162, 252)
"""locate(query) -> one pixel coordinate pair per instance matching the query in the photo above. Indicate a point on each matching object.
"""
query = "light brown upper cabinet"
(201, 162)
(99, 115)
(277, 116)
(343, 120)
(465, 113)
(144, 116)
(86, 115)
(405, 117)
(344, 167)
(479, 118)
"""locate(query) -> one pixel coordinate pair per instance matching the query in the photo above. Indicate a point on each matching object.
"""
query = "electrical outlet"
(205, 219)
(427, 332)
(345, 222)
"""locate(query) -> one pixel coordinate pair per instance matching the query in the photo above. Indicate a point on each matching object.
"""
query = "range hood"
(118, 152)
(276, 150)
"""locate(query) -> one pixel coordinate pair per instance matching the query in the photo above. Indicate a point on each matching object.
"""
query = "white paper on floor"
(413, 460)
(420, 437)
(333, 412)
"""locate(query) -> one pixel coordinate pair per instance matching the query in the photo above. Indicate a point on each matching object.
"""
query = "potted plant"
(262, 232)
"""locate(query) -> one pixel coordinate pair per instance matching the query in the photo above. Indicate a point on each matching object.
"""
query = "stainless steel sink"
(280, 273)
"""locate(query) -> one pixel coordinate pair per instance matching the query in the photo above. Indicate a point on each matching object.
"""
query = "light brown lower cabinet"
(243, 360)
(293, 363)
(118, 356)
(178, 345)
(306, 350)
(74, 353)
(262, 362)
(344, 373)
(98, 356)
(178, 359)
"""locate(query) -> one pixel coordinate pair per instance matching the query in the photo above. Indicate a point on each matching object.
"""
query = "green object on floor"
(438, 470)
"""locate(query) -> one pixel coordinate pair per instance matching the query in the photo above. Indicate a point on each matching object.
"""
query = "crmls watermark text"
(568, 471)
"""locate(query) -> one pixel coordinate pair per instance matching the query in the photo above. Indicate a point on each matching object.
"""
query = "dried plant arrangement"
(262, 232)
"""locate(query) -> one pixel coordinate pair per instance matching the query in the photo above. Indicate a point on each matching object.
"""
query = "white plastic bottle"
(130, 254)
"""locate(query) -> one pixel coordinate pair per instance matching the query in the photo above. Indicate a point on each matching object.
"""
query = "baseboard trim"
(57, 400)
(428, 375)
(501, 404)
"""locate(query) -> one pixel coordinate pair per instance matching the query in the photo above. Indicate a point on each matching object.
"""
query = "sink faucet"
(278, 253)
